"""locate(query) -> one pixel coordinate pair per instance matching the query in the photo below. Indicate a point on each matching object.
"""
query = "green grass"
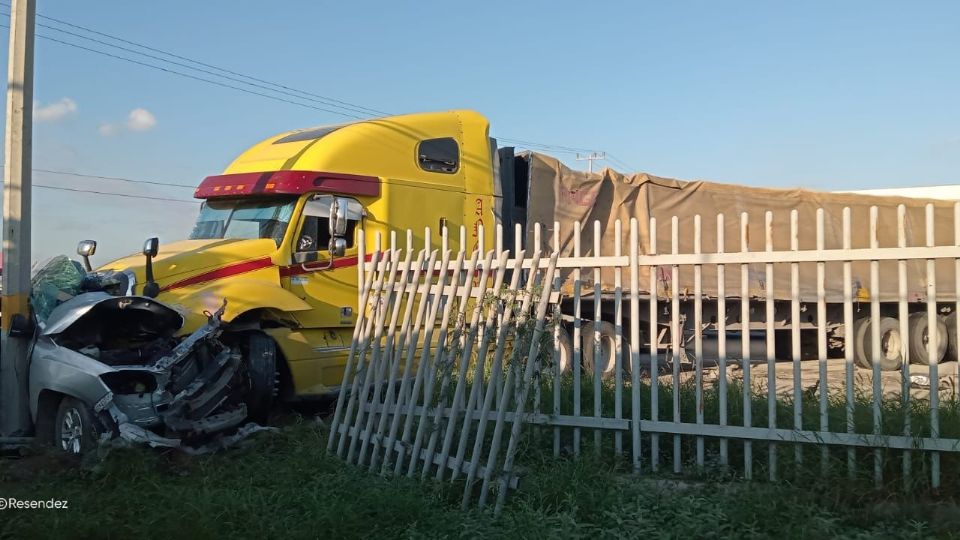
(286, 486)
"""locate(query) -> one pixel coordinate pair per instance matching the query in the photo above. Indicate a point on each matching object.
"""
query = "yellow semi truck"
(277, 237)
(262, 239)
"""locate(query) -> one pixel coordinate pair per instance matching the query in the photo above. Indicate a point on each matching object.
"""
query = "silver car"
(105, 366)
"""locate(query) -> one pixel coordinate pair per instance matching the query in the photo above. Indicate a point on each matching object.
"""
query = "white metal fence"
(643, 367)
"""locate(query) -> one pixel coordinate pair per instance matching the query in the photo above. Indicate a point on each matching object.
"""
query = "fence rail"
(831, 347)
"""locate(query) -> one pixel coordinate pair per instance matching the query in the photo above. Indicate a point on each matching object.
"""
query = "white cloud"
(141, 119)
(52, 112)
(107, 129)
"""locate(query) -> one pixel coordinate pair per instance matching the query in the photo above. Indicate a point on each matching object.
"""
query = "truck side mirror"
(85, 249)
(150, 249)
(338, 246)
(338, 217)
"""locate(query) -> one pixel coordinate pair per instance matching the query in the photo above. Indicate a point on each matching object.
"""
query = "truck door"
(328, 284)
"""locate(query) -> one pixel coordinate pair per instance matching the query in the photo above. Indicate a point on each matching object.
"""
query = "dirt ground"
(891, 381)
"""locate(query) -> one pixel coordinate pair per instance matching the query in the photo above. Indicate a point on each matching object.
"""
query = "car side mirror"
(85, 249)
(21, 326)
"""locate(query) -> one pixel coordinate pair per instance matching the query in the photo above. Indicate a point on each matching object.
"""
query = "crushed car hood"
(90, 311)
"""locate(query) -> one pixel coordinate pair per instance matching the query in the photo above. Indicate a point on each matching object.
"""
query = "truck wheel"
(951, 322)
(74, 427)
(891, 344)
(260, 355)
(608, 347)
(920, 338)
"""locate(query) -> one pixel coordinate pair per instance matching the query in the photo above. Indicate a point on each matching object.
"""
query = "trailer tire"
(951, 322)
(608, 346)
(891, 344)
(859, 338)
(919, 338)
(565, 351)
(260, 356)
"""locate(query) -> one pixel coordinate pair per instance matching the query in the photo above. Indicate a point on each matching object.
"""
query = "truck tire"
(608, 347)
(260, 356)
(919, 338)
(891, 344)
(75, 429)
(951, 322)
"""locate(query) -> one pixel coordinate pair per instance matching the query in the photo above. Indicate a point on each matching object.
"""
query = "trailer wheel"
(951, 322)
(891, 344)
(564, 351)
(260, 355)
(920, 338)
(608, 347)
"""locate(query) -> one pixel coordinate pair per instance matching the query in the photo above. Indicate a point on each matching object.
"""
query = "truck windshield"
(249, 219)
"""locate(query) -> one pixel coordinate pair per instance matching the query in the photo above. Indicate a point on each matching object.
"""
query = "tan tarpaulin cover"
(559, 194)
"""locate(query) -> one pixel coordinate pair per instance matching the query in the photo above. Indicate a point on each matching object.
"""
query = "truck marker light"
(288, 182)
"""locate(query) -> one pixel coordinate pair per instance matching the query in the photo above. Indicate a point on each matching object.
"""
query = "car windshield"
(249, 219)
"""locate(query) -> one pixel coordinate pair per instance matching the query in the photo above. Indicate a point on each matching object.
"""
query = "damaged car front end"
(105, 366)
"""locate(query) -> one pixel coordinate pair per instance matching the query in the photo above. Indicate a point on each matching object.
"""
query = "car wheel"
(75, 428)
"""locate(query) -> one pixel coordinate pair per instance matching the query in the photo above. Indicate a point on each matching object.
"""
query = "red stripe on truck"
(258, 264)
(222, 272)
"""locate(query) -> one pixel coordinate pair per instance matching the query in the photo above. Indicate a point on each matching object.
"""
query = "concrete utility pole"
(14, 409)
(589, 158)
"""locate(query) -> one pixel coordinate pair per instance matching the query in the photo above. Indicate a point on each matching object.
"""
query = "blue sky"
(825, 95)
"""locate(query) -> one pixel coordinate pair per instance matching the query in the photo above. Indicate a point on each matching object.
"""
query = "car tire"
(75, 428)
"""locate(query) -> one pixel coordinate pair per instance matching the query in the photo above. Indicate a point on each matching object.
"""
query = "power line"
(553, 147)
(113, 194)
(621, 163)
(286, 90)
(172, 55)
(189, 76)
(326, 100)
(208, 72)
(117, 178)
